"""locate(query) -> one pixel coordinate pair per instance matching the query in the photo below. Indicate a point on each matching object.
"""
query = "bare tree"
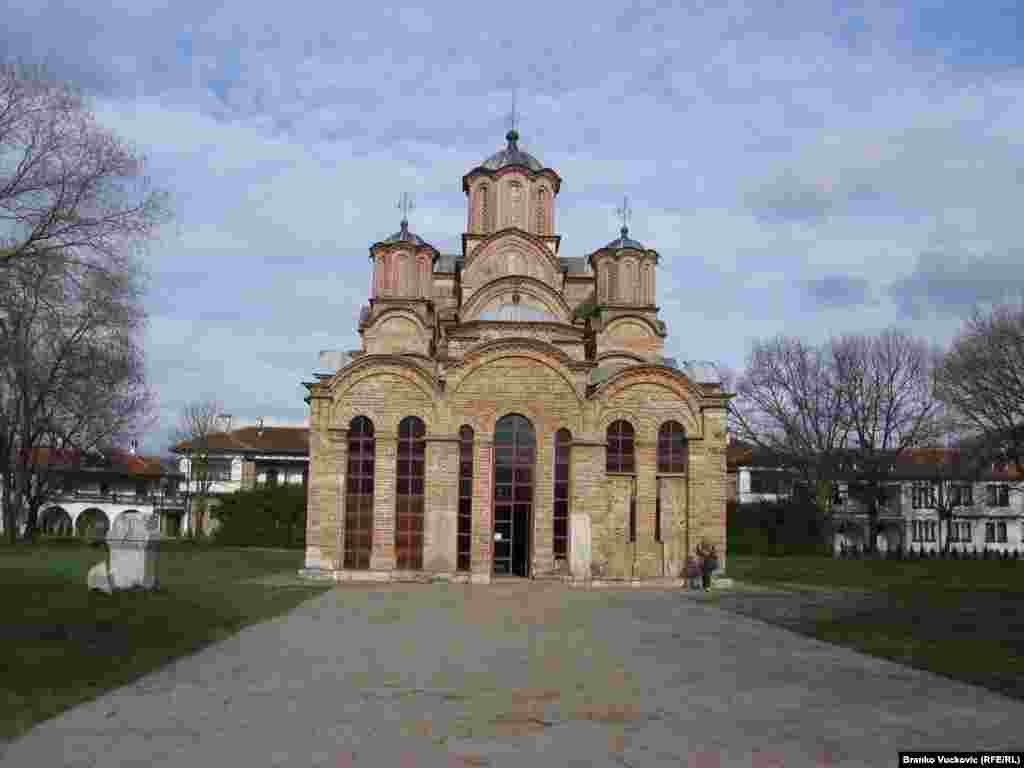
(981, 379)
(75, 206)
(67, 185)
(888, 399)
(197, 422)
(72, 374)
(789, 402)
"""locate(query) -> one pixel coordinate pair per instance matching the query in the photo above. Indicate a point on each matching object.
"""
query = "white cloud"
(759, 148)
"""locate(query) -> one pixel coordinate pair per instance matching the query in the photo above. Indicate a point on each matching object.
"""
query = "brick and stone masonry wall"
(513, 382)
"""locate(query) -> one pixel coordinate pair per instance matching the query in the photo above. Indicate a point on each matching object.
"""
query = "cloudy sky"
(800, 167)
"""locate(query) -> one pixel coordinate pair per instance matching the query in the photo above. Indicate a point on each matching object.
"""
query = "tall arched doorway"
(515, 449)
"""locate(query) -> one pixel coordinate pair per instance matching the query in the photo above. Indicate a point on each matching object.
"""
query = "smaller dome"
(511, 155)
(625, 241)
(405, 236)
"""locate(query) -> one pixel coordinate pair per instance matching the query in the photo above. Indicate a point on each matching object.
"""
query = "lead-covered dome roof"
(404, 235)
(512, 155)
(624, 241)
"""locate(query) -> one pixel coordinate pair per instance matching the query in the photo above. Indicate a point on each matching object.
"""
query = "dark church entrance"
(515, 448)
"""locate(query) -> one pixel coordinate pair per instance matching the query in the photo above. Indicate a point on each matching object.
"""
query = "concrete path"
(518, 674)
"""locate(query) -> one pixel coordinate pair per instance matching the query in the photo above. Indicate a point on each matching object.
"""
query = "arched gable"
(396, 330)
(525, 375)
(509, 252)
(373, 384)
(541, 294)
(620, 357)
(620, 323)
(653, 395)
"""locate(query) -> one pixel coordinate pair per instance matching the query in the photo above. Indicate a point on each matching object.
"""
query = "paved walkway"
(520, 674)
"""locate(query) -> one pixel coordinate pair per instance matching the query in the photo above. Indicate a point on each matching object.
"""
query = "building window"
(632, 514)
(777, 483)
(620, 456)
(409, 496)
(922, 497)
(999, 495)
(217, 470)
(961, 495)
(672, 448)
(465, 522)
(838, 495)
(923, 530)
(960, 533)
(359, 494)
(995, 533)
(542, 199)
(657, 512)
(563, 438)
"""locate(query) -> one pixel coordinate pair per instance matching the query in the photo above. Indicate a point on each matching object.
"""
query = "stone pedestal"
(579, 545)
(133, 545)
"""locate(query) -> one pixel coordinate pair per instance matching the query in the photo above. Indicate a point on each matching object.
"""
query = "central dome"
(511, 155)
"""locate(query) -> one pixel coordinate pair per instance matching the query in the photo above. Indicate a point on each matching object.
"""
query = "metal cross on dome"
(513, 116)
(405, 205)
(624, 212)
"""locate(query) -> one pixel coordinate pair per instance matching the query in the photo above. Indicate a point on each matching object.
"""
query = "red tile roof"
(255, 440)
(120, 461)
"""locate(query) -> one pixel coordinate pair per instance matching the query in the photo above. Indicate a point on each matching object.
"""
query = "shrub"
(775, 529)
(273, 516)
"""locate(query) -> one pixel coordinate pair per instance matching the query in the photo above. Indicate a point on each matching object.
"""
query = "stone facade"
(493, 341)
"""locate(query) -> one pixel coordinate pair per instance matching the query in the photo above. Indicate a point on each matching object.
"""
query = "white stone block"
(579, 546)
(133, 552)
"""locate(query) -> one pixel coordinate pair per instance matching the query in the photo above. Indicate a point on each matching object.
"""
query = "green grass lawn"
(963, 619)
(934, 575)
(62, 644)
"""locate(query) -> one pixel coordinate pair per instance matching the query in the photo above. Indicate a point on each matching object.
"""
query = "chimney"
(259, 427)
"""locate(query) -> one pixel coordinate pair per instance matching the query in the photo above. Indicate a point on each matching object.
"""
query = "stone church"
(511, 412)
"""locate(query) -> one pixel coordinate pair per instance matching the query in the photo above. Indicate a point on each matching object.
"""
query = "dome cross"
(405, 205)
(624, 212)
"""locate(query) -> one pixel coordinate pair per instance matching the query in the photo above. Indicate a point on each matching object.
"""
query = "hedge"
(269, 516)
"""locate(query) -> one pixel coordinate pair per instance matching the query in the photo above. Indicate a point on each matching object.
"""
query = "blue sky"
(800, 167)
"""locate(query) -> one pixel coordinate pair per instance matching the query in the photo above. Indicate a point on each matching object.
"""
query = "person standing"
(692, 573)
(708, 562)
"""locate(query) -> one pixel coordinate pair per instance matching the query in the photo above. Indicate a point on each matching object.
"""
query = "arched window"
(541, 214)
(561, 512)
(672, 448)
(517, 206)
(627, 289)
(620, 448)
(465, 522)
(485, 208)
(613, 281)
(409, 494)
(359, 494)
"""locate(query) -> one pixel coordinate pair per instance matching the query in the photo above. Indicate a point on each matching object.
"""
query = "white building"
(987, 507)
(91, 491)
(246, 458)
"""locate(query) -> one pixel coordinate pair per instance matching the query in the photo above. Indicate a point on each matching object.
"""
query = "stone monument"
(133, 546)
